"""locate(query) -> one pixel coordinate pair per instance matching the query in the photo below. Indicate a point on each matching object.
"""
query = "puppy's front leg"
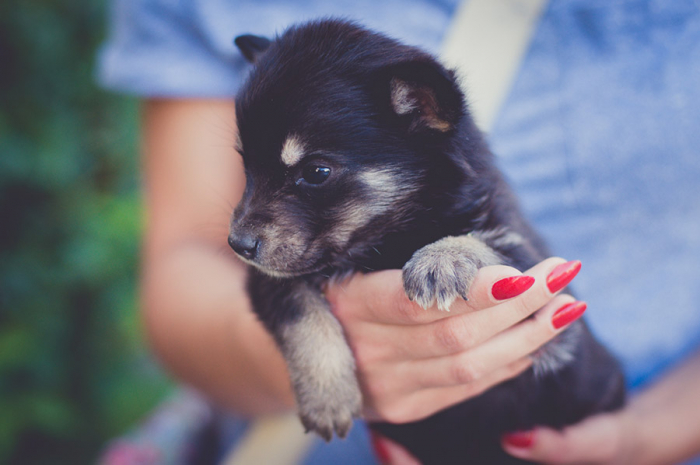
(320, 363)
(445, 269)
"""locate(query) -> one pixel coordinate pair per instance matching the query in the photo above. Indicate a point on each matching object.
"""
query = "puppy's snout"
(244, 244)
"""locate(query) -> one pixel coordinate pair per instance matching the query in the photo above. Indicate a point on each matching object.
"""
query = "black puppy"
(360, 154)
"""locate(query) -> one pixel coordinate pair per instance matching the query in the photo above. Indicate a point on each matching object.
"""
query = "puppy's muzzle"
(244, 244)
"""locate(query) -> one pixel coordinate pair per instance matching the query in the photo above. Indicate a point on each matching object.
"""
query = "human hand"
(608, 439)
(413, 362)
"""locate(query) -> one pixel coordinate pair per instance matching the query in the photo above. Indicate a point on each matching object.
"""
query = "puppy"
(360, 155)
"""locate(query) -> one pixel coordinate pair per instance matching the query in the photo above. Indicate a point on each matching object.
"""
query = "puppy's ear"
(252, 46)
(424, 95)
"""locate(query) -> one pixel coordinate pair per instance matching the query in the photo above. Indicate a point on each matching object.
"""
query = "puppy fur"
(360, 154)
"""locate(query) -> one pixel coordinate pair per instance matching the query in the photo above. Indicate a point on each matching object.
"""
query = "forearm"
(668, 415)
(197, 314)
(199, 322)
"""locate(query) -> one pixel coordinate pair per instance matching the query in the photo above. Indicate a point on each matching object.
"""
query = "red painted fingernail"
(507, 288)
(562, 275)
(380, 448)
(520, 439)
(567, 314)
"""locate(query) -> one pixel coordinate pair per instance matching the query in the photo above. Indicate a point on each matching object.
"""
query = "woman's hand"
(609, 439)
(661, 425)
(414, 362)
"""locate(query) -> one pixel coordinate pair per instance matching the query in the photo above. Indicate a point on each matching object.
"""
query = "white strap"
(486, 43)
(274, 440)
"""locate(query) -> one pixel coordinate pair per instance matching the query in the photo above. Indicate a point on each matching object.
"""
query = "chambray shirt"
(600, 138)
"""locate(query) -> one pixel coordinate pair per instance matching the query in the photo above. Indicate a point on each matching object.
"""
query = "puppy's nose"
(245, 245)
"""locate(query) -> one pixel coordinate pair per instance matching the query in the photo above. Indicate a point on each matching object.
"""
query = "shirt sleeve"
(184, 48)
(159, 48)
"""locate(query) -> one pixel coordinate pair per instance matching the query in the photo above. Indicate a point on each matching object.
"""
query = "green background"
(73, 368)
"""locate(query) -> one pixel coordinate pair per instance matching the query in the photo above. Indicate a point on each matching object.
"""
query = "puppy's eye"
(314, 174)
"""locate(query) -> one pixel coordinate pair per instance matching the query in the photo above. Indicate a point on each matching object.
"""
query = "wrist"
(634, 436)
(645, 434)
(199, 322)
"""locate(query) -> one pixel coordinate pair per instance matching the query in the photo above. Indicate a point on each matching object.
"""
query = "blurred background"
(73, 368)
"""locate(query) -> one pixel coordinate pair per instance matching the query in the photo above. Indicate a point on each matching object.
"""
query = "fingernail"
(520, 439)
(562, 275)
(380, 448)
(507, 288)
(567, 314)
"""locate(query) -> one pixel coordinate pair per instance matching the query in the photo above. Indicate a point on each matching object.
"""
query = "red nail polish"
(567, 314)
(562, 275)
(380, 449)
(520, 439)
(507, 288)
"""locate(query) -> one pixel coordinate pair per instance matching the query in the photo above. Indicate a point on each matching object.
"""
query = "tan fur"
(292, 151)
(322, 367)
(407, 98)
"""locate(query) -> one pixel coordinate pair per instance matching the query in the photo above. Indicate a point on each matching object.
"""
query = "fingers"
(595, 440)
(435, 358)
(380, 297)
(423, 403)
(420, 388)
(457, 333)
(501, 350)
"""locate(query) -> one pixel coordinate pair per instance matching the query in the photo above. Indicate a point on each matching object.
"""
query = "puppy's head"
(343, 134)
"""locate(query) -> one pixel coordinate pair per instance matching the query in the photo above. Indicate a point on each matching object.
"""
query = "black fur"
(251, 46)
(361, 104)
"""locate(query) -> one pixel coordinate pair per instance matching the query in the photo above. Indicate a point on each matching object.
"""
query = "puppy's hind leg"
(444, 270)
(321, 366)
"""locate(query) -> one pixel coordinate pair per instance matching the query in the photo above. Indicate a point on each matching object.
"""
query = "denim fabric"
(599, 138)
(184, 48)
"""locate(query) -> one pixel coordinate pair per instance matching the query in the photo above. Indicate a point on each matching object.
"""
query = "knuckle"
(394, 412)
(454, 334)
(538, 295)
(476, 389)
(539, 332)
(560, 452)
(365, 356)
(542, 331)
(523, 308)
(377, 390)
(375, 357)
(464, 371)
(406, 309)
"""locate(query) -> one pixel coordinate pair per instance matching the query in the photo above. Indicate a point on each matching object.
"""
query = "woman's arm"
(196, 310)
(660, 426)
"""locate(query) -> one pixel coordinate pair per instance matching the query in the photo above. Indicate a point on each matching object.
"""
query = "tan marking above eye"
(292, 150)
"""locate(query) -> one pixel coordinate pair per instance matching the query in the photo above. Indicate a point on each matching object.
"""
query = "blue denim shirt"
(184, 48)
(599, 137)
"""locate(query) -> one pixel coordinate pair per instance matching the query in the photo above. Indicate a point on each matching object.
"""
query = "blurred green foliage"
(73, 370)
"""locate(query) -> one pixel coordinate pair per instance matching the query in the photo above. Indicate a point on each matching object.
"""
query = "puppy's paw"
(331, 411)
(444, 270)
